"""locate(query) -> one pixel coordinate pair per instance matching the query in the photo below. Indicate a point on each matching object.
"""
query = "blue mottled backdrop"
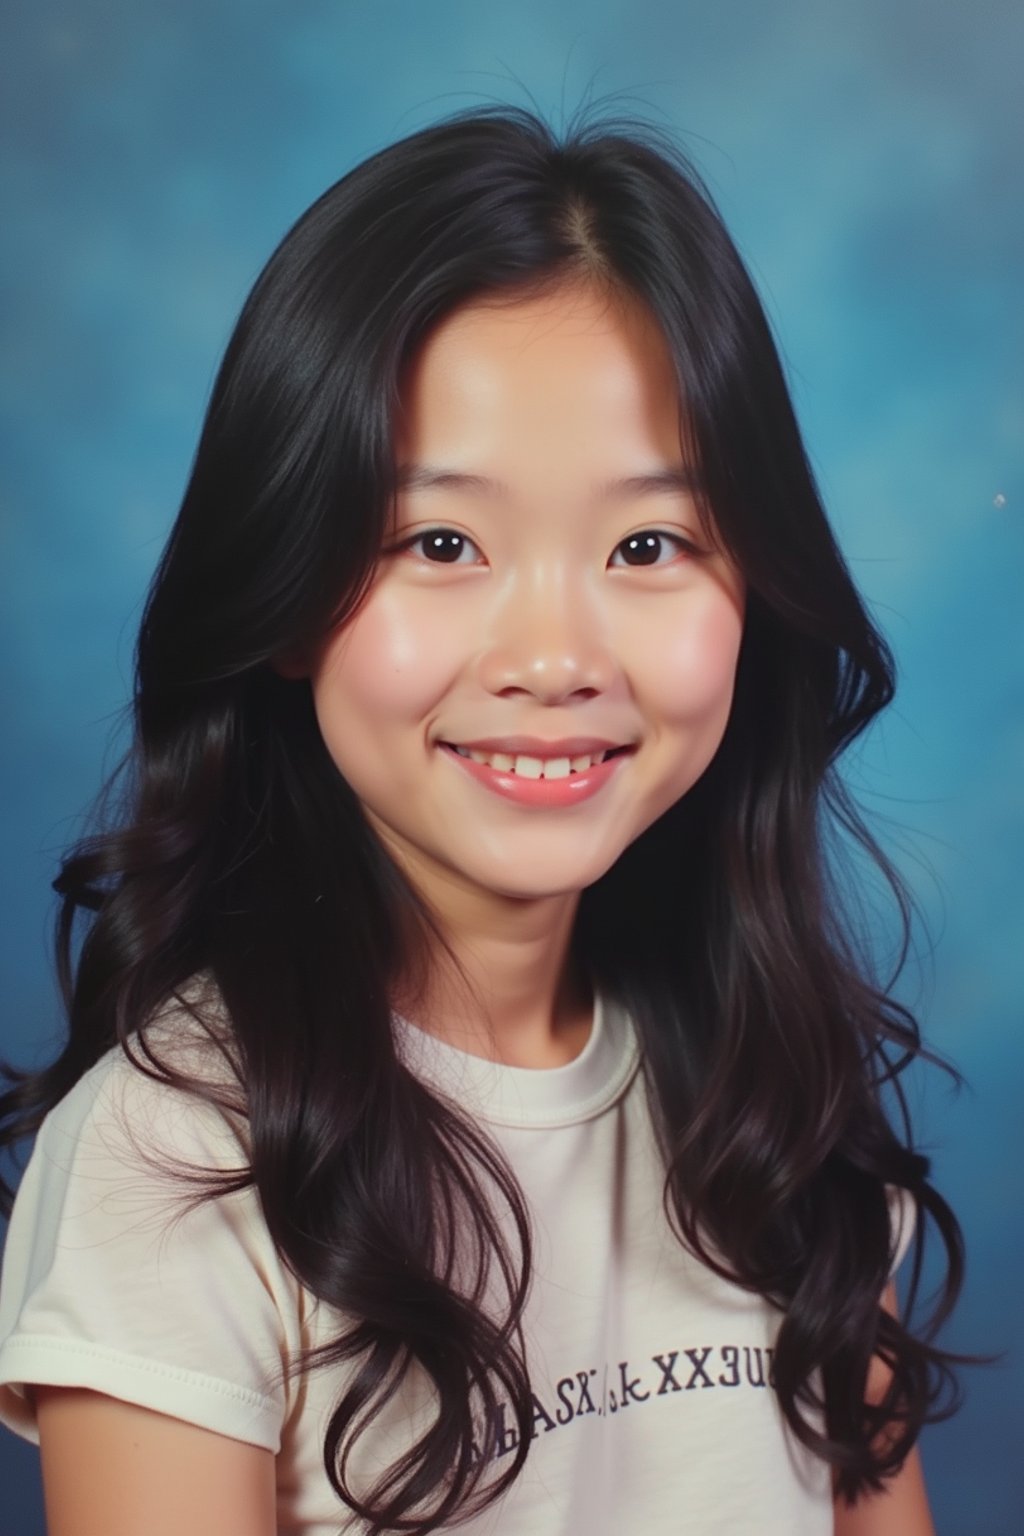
(867, 157)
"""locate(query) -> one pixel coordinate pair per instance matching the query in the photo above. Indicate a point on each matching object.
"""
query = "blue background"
(866, 157)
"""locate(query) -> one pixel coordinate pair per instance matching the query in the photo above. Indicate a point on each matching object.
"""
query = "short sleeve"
(902, 1221)
(116, 1280)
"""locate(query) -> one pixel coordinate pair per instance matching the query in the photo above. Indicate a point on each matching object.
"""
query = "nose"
(546, 640)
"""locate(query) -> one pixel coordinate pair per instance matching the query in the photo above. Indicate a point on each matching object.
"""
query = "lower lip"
(551, 794)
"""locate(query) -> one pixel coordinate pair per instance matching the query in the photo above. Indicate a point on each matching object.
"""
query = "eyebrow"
(424, 477)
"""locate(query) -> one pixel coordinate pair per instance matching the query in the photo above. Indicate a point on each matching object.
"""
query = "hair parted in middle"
(242, 853)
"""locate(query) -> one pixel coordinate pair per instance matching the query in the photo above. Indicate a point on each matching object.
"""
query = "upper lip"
(536, 746)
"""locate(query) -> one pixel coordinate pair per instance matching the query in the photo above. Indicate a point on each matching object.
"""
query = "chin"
(538, 884)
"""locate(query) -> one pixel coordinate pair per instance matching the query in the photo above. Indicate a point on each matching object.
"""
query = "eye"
(443, 546)
(652, 546)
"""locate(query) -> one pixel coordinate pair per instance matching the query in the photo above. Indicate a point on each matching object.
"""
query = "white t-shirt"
(654, 1411)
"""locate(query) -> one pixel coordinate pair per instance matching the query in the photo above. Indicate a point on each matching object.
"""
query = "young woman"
(473, 1102)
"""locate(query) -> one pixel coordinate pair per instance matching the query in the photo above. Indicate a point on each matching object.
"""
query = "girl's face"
(546, 595)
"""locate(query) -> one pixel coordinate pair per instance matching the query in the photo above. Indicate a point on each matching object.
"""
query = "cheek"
(388, 666)
(693, 666)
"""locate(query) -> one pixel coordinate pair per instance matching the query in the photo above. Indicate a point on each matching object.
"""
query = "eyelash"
(683, 545)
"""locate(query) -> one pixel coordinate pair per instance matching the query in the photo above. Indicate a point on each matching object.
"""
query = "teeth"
(556, 768)
(533, 767)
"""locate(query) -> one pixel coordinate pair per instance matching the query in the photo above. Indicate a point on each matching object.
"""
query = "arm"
(111, 1469)
(902, 1510)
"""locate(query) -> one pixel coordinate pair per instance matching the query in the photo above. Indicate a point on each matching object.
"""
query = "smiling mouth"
(527, 767)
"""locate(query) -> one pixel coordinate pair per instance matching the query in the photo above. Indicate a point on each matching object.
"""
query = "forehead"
(576, 369)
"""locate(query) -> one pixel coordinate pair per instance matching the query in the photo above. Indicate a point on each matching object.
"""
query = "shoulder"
(174, 1088)
(138, 1262)
(148, 1131)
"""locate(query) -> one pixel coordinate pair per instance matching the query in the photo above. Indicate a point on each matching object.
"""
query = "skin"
(112, 1469)
(540, 628)
(902, 1509)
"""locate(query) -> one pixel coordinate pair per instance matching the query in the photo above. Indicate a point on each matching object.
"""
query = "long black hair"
(241, 853)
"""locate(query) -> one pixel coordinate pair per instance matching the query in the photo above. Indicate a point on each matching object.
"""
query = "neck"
(509, 989)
